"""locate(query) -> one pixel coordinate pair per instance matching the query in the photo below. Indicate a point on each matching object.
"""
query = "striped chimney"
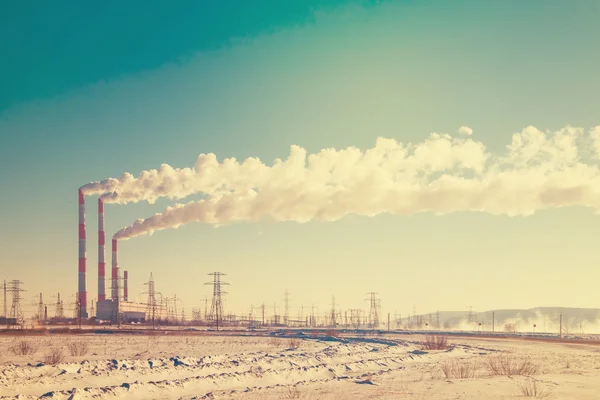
(82, 293)
(115, 270)
(101, 263)
(125, 291)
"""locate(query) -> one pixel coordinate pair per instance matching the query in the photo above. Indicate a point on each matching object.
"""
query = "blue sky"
(92, 92)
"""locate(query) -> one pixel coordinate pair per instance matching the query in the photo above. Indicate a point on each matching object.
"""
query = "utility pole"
(205, 308)
(388, 322)
(437, 323)
(5, 313)
(346, 319)
(216, 308)
(175, 308)
(286, 316)
(263, 313)
(493, 321)
(560, 332)
(78, 302)
(333, 322)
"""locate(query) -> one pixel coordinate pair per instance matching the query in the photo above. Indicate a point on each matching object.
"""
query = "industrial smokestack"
(101, 263)
(82, 294)
(115, 271)
(125, 291)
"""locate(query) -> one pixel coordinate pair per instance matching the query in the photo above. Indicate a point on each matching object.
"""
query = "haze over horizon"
(131, 92)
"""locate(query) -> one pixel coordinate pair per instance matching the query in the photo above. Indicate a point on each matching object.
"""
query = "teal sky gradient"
(87, 103)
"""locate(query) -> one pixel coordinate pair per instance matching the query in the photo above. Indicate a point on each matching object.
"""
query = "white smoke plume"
(443, 174)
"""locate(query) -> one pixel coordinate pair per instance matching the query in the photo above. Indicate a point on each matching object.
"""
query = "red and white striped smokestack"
(82, 293)
(101, 263)
(125, 291)
(115, 271)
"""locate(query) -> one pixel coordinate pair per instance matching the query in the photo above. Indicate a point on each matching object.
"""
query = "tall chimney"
(115, 270)
(101, 263)
(82, 293)
(125, 291)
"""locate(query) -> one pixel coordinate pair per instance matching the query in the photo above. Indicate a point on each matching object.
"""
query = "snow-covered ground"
(174, 366)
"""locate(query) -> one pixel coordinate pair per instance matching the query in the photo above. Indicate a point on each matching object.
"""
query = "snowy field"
(176, 366)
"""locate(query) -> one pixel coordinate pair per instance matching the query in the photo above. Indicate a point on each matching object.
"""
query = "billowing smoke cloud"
(208, 176)
(442, 175)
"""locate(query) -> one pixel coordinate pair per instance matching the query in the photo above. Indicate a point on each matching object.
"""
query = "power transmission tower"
(286, 316)
(15, 310)
(168, 301)
(116, 310)
(175, 300)
(40, 312)
(355, 318)
(373, 311)
(216, 309)
(59, 312)
(151, 303)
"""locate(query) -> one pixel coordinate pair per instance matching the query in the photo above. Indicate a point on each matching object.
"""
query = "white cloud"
(465, 130)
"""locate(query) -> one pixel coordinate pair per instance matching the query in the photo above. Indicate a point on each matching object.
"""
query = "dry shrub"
(54, 356)
(257, 371)
(78, 348)
(275, 342)
(23, 348)
(294, 343)
(292, 392)
(504, 364)
(332, 333)
(460, 369)
(433, 342)
(531, 388)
